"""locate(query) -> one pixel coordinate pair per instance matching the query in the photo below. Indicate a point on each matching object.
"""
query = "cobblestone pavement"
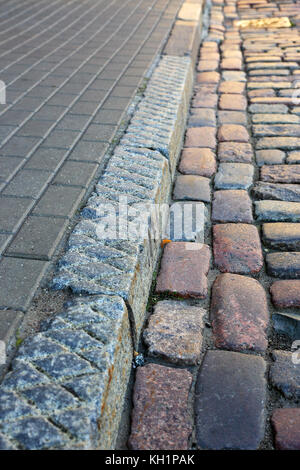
(240, 317)
(71, 68)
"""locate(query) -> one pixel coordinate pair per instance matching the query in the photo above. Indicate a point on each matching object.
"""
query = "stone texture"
(231, 63)
(288, 143)
(274, 118)
(287, 323)
(174, 332)
(233, 133)
(284, 265)
(269, 157)
(283, 236)
(232, 117)
(192, 188)
(281, 192)
(205, 100)
(268, 108)
(232, 87)
(85, 350)
(160, 419)
(276, 130)
(232, 206)
(230, 400)
(202, 117)
(293, 157)
(285, 294)
(233, 102)
(208, 77)
(285, 374)
(236, 152)
(277, 211)
(239, 313)
(281, 173)
(237, 248)
(286, 424)
(201, 162)
(183, 270)
(234, 176)
(200, 137)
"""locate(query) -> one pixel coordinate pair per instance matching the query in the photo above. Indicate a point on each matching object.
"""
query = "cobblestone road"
(241, 158)
(71, 69)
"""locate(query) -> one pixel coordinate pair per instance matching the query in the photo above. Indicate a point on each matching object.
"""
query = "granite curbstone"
(67, 384)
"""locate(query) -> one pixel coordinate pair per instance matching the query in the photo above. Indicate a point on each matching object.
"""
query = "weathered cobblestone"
(285, 294)
(233, 133)
(277, 211)
(234, 176)
(232, 102)
(285, 374)
(284, 236)
(232, 206)
(239, 313)
(183, 271)
(269, 157)
(160, 418)
(200, 137)
(280, 192)
(281, 173)
(230, 400)
(192, 188)
(201, 162)
(237, 248)
(284, 265)
(286, 424)
(174, 332)
(236, 152)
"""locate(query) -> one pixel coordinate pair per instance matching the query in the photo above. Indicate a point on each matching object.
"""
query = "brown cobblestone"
(191, 188)
(200, 162)
(239, 313)
(285, 294)
(205, 100)
(280, 173)
(231, 63)
(232, 87)
(233, 133)
(286, 424)
(160, 419)
(208, 77)
(269, 157)
(174, 332)
(236, 152)
(233, 102)
(232, 206)
(200, 137)
(284, 265)
(183, 271)
(285, 374)
(237, 248)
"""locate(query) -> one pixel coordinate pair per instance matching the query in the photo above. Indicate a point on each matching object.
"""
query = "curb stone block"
(76, 373)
